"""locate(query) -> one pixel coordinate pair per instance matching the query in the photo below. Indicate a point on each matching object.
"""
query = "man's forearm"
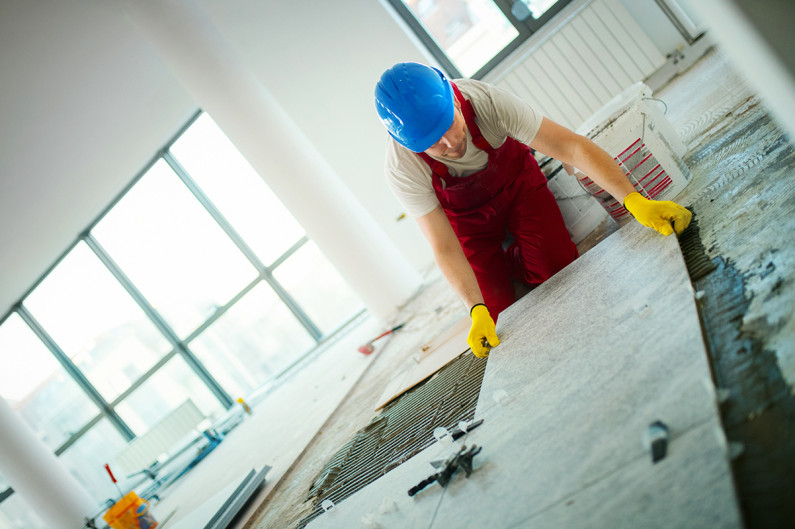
(602, 169)
(450, 256)
(570, 148)
(458, 272)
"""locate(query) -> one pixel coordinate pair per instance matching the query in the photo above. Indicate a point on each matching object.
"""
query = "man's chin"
(456, 155)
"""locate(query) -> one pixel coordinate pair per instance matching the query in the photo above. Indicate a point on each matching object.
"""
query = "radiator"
(161, 438)
(579, 65)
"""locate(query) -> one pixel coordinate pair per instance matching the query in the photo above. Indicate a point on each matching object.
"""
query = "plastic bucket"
(643, 143)
(130, 512)
(581, 212)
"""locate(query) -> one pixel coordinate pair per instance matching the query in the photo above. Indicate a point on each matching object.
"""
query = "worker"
(460, 162)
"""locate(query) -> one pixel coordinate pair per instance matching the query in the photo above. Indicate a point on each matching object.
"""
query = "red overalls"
(509, 196)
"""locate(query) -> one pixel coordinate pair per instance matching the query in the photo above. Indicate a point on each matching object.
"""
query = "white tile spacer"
(369, 522)
(501, 396)
(388, 505)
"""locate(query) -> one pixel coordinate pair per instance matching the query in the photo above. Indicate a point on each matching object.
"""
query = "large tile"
(386, 501)
(587, 361)
(691, 488)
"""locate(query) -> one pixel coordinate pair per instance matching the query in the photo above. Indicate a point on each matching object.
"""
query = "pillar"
(38, 476)
(249, 115)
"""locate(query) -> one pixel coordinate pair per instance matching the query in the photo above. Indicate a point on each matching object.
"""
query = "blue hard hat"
(415, 103)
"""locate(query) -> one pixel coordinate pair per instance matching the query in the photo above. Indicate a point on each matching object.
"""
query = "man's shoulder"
(482, 92)
(473, 88)
(401, 160)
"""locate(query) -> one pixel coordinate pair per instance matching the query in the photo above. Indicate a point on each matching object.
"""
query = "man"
(460, 163)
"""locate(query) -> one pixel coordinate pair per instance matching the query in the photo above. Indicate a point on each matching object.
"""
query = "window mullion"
(290, 251)
(159, 322)
(427, 40)
(264, 271)
(522, 26)
(75, 373)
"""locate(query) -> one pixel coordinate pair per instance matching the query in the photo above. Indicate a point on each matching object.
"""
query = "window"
(85, 460)
(469, 37)
(252, 342)
(317, 287)
(196, 283)
(38, 387)
(172, 250)
(95, 323)
(162, 393)
(240, 194)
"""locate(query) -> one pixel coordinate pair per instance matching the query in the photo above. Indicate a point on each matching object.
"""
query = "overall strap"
(438, 169)
(469, 117)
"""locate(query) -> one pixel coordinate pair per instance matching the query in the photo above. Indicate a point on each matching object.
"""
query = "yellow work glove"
(658, 214)
(483, 335)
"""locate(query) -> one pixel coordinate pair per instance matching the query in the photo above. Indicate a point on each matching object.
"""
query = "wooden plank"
(430, 358)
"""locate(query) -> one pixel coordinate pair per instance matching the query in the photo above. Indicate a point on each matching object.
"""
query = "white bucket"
(582, 213)
(632, 129)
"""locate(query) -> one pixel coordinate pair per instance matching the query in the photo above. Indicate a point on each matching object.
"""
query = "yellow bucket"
(130, 512)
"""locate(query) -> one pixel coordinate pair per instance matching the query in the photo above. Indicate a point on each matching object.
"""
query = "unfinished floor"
(743, 196)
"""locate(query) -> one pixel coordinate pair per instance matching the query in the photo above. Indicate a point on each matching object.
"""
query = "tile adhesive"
(404, 428)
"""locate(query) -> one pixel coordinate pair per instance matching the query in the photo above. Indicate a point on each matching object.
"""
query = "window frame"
(526, 28)
(180, 346)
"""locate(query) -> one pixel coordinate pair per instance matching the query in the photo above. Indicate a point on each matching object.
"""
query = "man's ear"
(456, 103)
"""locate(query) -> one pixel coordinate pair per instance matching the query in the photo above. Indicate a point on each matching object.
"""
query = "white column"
(38, 476)
(292, 167)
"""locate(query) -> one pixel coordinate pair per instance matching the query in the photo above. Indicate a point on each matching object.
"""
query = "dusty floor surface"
(743, 196)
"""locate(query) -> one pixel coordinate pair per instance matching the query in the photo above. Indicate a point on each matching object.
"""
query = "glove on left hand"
(483, 334)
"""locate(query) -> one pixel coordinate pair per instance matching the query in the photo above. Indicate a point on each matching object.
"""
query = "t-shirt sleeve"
(510, 115)
(409, 179)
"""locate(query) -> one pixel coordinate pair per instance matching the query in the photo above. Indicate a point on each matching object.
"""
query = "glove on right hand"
(658, 214)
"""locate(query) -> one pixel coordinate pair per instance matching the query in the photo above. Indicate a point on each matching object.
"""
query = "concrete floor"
(743, 196)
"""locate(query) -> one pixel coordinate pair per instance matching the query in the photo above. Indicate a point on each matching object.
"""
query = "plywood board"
(427, 360)
(587, 361)
(219, 511)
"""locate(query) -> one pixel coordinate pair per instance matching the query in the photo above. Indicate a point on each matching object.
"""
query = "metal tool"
(461, 459)
(368, 348)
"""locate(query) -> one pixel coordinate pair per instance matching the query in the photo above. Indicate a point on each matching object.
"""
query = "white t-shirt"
(498, 114)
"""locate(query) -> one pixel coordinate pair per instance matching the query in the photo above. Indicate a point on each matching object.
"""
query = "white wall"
(655, 24)
(83, 107)
(86, 103)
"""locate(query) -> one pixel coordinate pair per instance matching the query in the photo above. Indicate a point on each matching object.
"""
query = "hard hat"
(415, 103)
